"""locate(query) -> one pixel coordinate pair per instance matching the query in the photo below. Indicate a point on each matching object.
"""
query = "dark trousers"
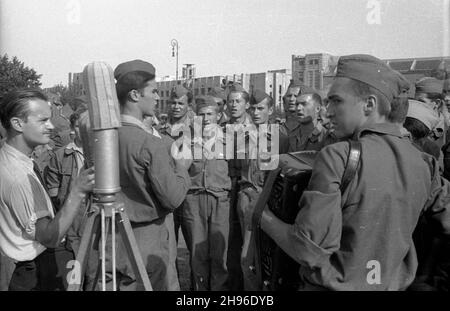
(47, 272)
(235, 276)
(205, 219)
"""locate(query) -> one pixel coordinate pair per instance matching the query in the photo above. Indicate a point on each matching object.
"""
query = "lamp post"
(174, 44)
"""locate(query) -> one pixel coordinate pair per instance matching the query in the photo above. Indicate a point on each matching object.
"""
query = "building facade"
(318, 70)
(311, 68)
(76, 83)
(273, 83)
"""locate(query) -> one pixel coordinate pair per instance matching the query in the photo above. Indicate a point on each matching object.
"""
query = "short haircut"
(245, 95)
(15, 105)
(268, 99)
(399, 109)
(362, 90)
(316, 98)
(199, 107)
(131, 81)
(189, 95)
(417, 128)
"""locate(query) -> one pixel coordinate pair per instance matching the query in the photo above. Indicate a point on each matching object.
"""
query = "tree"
(15, 75)
(66, 95)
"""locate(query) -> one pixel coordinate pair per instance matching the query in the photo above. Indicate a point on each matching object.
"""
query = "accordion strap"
(354, 156)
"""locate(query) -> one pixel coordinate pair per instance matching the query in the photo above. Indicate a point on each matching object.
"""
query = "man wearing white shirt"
(28, 224)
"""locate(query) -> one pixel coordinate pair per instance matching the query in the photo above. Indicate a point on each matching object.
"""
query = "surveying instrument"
(100, 136)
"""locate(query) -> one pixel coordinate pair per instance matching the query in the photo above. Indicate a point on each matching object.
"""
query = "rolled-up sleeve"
(316, 233)
(169, 183)
(28, 203)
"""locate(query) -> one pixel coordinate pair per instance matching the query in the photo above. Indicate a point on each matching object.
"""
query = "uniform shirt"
(252, 173)
(186, 121)
(151, 185)
(338, 237)
(235, 164)
(64, 166)
(209, 173)
(290, 129)
(314, 139)
(23, 200)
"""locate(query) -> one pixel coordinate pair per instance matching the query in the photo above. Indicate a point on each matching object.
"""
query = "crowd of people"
(395, 211)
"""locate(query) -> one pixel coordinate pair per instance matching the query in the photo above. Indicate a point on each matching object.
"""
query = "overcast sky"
(219, 36)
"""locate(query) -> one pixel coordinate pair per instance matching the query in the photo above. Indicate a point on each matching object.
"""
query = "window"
(301, 62)
(310, 78)
(167, 93)
(311, 62)
(203, 91)
(317, 79)
(279, 89)
(209, 89)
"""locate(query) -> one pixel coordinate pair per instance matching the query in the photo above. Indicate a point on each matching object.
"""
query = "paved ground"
(183, 264)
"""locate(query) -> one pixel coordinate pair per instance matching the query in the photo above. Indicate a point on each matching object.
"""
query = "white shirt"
(23, 200)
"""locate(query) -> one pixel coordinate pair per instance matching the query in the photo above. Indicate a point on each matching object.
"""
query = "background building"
(273, 82)
(318, 70)
(311, 68)
(76, 83)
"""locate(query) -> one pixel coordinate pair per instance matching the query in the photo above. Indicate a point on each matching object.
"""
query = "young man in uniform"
(429, 92)
(238, 102)
(251, 184)
(152, 185)
(221, 98)
(292, 128)
(205, 214)
(179, 116)
(361, 239)
(313, 134)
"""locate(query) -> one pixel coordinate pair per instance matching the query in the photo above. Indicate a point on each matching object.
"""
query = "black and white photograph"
(241, 149)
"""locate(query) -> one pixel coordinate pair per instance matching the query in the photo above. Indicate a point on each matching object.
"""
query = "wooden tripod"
(97, 226)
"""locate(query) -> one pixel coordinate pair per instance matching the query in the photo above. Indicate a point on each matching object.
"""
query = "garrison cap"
(203, 101)
(371, 71)
(429, 85)
(218, 92)
(258, 96)
(136, 65)
(423, 113)
(178, 91)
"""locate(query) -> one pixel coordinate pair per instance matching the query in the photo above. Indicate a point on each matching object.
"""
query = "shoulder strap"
(353, 159)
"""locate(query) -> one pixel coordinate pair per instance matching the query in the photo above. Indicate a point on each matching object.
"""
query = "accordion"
(275, 270)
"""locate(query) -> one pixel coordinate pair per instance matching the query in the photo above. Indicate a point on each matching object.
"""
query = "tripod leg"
(105, 227)
(103, 252)
(132, 249)
(83, 252)
(99, 261)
